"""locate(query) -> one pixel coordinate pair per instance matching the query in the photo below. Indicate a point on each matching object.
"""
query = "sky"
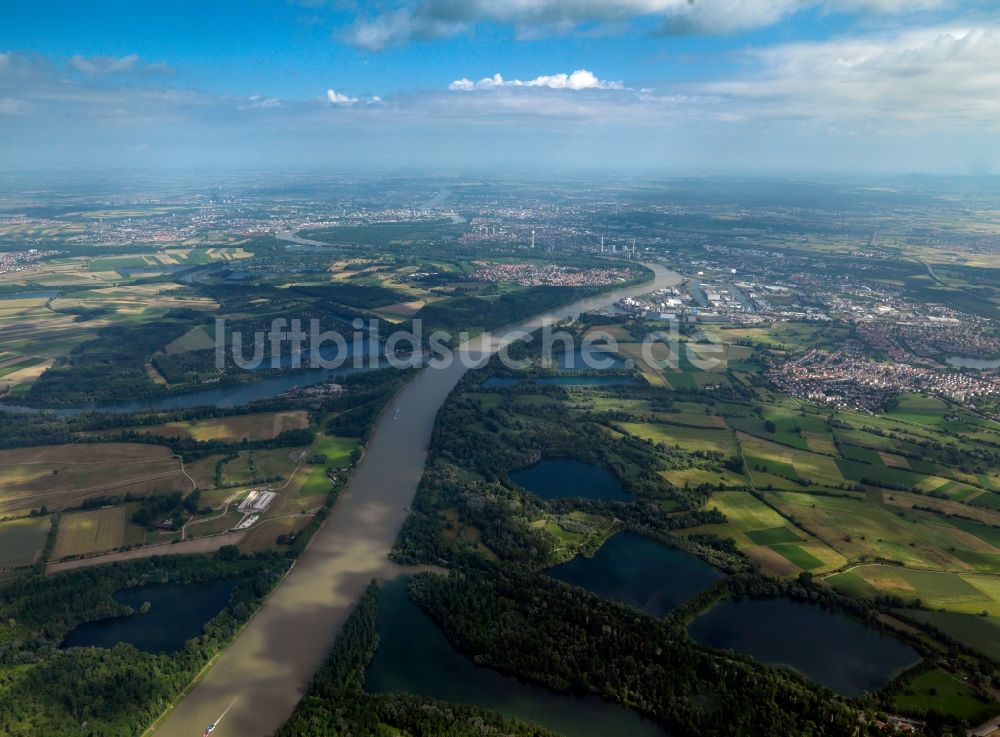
(631, 86)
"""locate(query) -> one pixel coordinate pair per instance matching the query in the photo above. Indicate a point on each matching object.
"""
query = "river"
(266, 671)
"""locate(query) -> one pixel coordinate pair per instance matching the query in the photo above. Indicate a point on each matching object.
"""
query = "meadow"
(329, 456)
(948, 694)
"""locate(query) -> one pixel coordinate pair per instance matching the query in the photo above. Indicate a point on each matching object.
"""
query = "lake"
(829, 648)
(640, 572)
(559, 478)
(983, 364)
(592, 359)
(415, 657)
(178, 613)
(593, 380)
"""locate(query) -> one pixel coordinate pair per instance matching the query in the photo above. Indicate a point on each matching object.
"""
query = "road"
(265, 671)
(188, 547)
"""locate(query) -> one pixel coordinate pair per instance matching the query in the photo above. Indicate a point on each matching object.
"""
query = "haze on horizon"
(667, 86)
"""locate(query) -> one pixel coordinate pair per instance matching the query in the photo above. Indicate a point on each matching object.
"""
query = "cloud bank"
(102, 66)
(581, 79)
(404, 21)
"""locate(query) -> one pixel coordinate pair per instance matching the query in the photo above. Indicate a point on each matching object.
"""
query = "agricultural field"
(772, 465)
(961, 593)
(861, 527)
(22, 541)
(787, 335)
(58, 476)
(973, 630)
(260, 426)
(691, 439)
(767, 537)
(94, 531)
(696, 476)
(39, 330)
(196, 339)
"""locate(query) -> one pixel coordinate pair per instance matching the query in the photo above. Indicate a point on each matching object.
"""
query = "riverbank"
(265, 672)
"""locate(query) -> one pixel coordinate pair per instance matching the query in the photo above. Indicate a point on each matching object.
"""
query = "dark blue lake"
(591, 359)
(592, 380)
(829, 648)
(178, 613)
(415, 657)
(559, 478)
(498, 381)
(640, 572)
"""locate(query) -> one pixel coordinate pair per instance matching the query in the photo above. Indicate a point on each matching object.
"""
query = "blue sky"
(663, 85)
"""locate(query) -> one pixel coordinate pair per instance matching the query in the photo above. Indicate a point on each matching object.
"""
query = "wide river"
(260, 678)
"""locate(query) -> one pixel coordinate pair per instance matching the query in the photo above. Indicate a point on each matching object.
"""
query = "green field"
(22, 541)
(943, 692)
(954, 592)
(339, 453)
(974, 630)
(768, 537)
(861, 526)
(686, 438)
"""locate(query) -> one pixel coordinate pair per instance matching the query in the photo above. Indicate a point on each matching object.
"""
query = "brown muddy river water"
(260, 678)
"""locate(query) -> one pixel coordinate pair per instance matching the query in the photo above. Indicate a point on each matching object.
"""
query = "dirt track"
(188, 547)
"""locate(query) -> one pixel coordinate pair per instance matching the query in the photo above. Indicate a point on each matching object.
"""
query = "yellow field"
(262, 426)
(81, 533)
(63, 475)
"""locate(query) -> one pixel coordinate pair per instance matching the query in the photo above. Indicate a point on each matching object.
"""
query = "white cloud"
(10, 106)
(264, 103)
(936, 76)
(336, 98)
(409, 20)
(581, 79)
(100, 66)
